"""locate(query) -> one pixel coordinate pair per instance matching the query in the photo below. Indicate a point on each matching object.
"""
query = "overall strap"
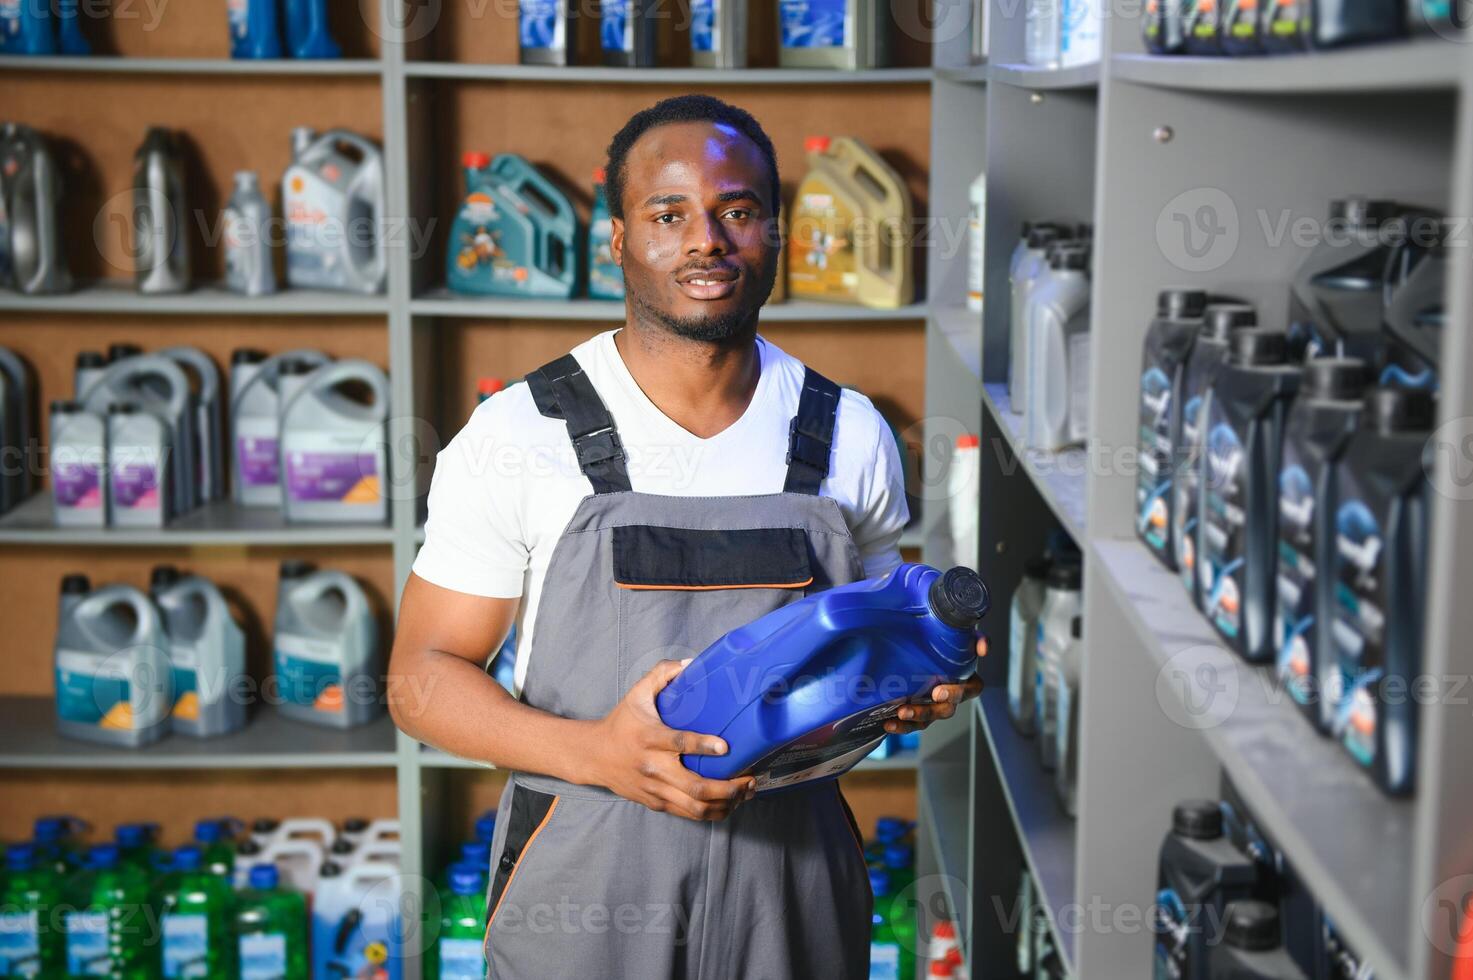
(811, 434)
(562, 391)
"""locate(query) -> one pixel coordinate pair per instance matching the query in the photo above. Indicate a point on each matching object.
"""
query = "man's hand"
(638, 756)
(946, 697)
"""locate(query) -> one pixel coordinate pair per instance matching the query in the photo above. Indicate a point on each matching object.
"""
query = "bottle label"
(812, 23)
(186, 946)
(1153, 480)
(324, 466)
(884, 961)
(1359, 629)
(76, 483)
(977, 258)
(1173, 929)
(822, 263)
(86, 944)
(1079, 387)
(256, 452)
(184, 660)
(617, 30)
(705, 32)
(310, 671)
(462, 959)
(94, 689)
(828, 751)
(1294, 626)
(1223, 529)
(238, 12)
(541, 25)
(1020, 669)
(1184, 488)
(20, 943)
(262, 956)
(134, 474)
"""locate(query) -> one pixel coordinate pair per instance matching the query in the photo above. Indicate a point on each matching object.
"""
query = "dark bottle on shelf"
(1199, 874)
(1283, 26)
(1209, 353)
(629, 35)
(1163, 26)
(552, 32)
(1168, 342)
(1203, 27)
(1317, 430)
(1339, 23)
(1250, 947)
(1239, 28)
(1238, 502)
(1380, 570)
(1416, 285)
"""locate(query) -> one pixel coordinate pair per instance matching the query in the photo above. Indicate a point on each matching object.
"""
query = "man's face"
(698, 241)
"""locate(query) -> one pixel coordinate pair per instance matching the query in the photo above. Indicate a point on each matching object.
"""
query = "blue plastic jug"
(69, 37)
(255, 29)
(515, 234)
(804, 692)
(307, 33)
(25, 27)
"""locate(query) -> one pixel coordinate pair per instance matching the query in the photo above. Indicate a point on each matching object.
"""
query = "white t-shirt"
(508, 483)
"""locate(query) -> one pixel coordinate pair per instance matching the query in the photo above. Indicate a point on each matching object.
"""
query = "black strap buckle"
(598, 447)
(807, 448)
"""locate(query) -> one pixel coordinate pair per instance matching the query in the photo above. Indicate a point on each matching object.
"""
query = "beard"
(711, 328)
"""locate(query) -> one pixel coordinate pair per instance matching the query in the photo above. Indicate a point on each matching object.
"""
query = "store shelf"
(101, 64)
(964, 74)
(1421, 64)
(443, 302)
(1027, 76)
(593, 75)
(1350, 844)
(119, 296)
(962, 329)
(221, 523)
(944, 784)
(1059, 477)
(1046, 832)
(28, 740)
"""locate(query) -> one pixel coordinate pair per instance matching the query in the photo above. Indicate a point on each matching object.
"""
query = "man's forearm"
(450, 703)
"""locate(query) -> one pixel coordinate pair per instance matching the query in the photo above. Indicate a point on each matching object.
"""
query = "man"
(643, 493)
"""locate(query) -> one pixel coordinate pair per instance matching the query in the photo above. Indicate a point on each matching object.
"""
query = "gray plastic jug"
(32, 194)
(139, 444)
(17, 421)
(333, 201)
(1058, 353)
(158, 386)
(90, 365)
(209, 436)
(206, 652)
(78, 466)
(248, 266)
(160, 215)
(255, 423)
(112, 665)
(326, 651)
(333, 455)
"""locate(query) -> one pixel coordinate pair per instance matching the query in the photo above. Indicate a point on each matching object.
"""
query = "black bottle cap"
(1076, 627)
(265, 825)
(355, 825)
(75, 584)
(1066, 575)
(249, 846)
(122, 408)
(1041, 236)
(1084, 231)
(1363, 213)
(1391, 410)
(1221, 319)
(1259, 345)
(1037, 568)
(1197, 819)
(163, 576)
(1180, 303)
(959, 598)
(1338, 379)
(1251, 925)
(295, 365)
(1073, 256)
(64, 406)
(296, 568)
(1027, 227)
(330, 869)
(91, 359)
(1338, 208)
(247, 355)
(342, 846)
(117, 352)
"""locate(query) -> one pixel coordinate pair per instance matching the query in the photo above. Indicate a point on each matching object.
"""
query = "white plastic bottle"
(1043, 28)
(1025, 271)
(1023, 643)
(977, 244)
(78, 466)
(1066, 776)
(1058, 353)
(1079, 38)
(963, 482)
(1061, 603)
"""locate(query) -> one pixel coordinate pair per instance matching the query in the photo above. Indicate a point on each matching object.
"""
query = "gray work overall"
(586, 884)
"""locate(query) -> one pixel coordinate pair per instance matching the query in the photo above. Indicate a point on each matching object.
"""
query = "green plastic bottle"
(899, 861)
(197, 911)
(137, 847)
(30, 943)
(109, 932)
(216, 838)
(886, 955)
(458, 953)
(271, 929)
(56, 842)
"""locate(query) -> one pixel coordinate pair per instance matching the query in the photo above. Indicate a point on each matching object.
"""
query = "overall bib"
(586, 884)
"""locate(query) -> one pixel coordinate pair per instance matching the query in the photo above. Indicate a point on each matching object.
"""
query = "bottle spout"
(959, 598)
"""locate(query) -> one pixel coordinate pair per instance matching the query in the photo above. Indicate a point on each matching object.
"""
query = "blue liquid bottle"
(25, 27)
(803, 693)
(307, 34)
(255, 31)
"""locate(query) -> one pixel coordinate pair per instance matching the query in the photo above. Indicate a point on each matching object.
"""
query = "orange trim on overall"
(709, 588)
(517, 867)
(850, 822)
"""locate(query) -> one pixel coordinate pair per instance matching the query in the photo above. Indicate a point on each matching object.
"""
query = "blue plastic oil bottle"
(255, 29)
(879, 643)
(69, 37)
(25, 27)
(307, 34)
(515, 234)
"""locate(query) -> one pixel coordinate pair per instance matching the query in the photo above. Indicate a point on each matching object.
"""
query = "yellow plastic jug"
(851, 228)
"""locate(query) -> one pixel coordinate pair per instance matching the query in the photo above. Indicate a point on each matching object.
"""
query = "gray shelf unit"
(1134, 144)
(118, 297)
(190, 66)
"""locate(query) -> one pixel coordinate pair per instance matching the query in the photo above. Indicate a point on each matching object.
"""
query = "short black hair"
(679, 109)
